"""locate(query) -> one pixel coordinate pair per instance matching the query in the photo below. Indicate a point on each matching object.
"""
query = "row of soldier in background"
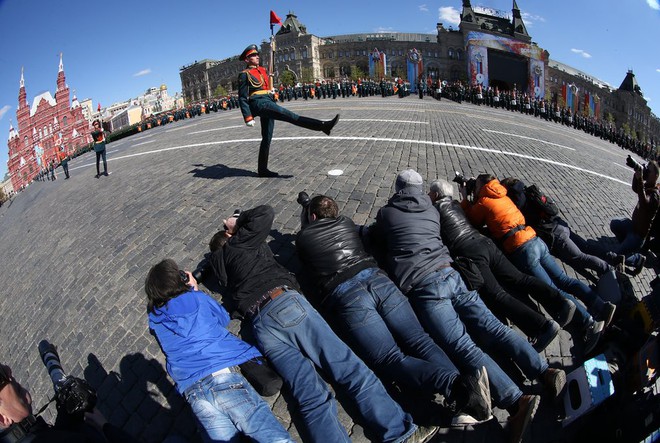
(343, 88)
(518, 101)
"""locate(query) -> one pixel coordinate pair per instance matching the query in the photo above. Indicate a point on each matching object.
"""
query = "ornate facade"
(49, 125)
(491, 48)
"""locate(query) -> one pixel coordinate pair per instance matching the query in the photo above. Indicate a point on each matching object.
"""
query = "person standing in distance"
(255, 100)
(98, 134)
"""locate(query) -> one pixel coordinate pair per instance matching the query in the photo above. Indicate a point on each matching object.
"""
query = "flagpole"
(272, 58)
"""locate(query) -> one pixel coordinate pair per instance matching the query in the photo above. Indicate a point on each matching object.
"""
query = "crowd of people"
(515, 100)
(399, 294)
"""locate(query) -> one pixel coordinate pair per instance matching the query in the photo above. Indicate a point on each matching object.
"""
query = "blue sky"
(116, 50)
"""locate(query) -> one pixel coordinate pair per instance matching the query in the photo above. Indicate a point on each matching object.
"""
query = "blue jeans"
(446, 308)
(226, 406)
(629, 242)
(296, 339)
(534, 258)
(378, 319)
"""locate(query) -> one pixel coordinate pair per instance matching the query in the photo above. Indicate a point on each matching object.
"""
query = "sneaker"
(422, 434)
(546, 336)
(607, 313)
(554, 381)
(592, 335)
(638, 267)
(565, 314)
(97, 176)
(517, 425)
(106, 173)
(471, 395)
(461, 420)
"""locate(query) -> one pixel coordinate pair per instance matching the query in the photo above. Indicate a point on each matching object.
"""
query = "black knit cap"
(248, 51)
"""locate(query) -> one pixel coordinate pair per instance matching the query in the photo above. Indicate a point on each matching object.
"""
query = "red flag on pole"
(274, 19)
(98, 108)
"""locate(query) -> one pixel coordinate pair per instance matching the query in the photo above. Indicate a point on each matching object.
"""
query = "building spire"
(61, 64)
(22, 83)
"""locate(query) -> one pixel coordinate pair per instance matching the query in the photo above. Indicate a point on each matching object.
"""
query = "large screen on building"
(506, 70)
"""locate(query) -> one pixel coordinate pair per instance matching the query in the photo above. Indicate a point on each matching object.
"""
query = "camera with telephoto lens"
(632, 163)
(72, 395)
(304, 201)
(469, 183)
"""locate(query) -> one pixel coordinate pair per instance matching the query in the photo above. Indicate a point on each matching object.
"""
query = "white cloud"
(423, 8)
(449, 14)
(382, 30)
(657, 70)
(143, 72)
(582, 52)
(654, 4)
(4, 110)
(530, 19)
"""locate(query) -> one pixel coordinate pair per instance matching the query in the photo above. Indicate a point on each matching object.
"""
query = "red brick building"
(49, 125)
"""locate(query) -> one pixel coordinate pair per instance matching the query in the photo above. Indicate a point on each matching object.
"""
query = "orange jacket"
(500, 214)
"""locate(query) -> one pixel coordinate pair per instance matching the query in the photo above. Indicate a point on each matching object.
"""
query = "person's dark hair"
(163, 283)
(323, 207)
(485, 178)
(97, 121)
(654, 164)
(508, 182)
(217, 241)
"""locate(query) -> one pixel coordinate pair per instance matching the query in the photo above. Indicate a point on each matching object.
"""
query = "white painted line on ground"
(382, 139)
(622, 166)
(216, 129)
(528, 138)
(110, 152)
(144, 143)
(381, 120)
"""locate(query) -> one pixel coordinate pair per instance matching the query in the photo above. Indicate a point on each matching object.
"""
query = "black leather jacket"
(332, 251)
(454, 225)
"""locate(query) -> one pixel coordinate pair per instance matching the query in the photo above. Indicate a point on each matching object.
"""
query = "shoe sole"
(484, 390)
(609, 318)
(531, 412)
(558, 383)
(462, 420)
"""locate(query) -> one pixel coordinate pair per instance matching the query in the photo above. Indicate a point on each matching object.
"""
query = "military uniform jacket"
(252, 81)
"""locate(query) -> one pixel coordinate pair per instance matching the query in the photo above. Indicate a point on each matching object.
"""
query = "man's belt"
(261, 92)
(265, 299)
(512, 231)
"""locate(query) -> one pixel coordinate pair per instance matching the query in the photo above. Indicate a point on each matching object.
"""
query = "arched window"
(459, 54)
(64, 121)
(26, 141)
(450, 53)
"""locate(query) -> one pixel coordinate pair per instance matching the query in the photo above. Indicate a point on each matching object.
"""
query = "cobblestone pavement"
(75, 252)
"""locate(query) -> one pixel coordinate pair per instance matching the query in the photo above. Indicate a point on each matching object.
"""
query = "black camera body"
(73, 395)
(632, 163)
(469, 183)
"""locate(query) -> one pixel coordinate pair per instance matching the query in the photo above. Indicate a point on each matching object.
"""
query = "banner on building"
(415, 66)
(377, 64)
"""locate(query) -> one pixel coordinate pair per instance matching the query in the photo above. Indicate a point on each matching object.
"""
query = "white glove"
(250, 123)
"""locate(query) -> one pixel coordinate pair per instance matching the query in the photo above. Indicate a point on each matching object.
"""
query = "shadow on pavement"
(220, 171)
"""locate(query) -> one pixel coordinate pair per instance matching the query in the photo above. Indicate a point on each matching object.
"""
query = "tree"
(287, 78)
(3, 196)
(357, 73)
(307, 75)
(220, 91)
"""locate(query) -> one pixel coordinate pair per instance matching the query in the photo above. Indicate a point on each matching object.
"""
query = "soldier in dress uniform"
(256, 101)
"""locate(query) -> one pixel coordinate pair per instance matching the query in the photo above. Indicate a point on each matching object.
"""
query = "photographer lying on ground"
(491, 207)
(78, 421)
(202, 358)
(465, 242)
